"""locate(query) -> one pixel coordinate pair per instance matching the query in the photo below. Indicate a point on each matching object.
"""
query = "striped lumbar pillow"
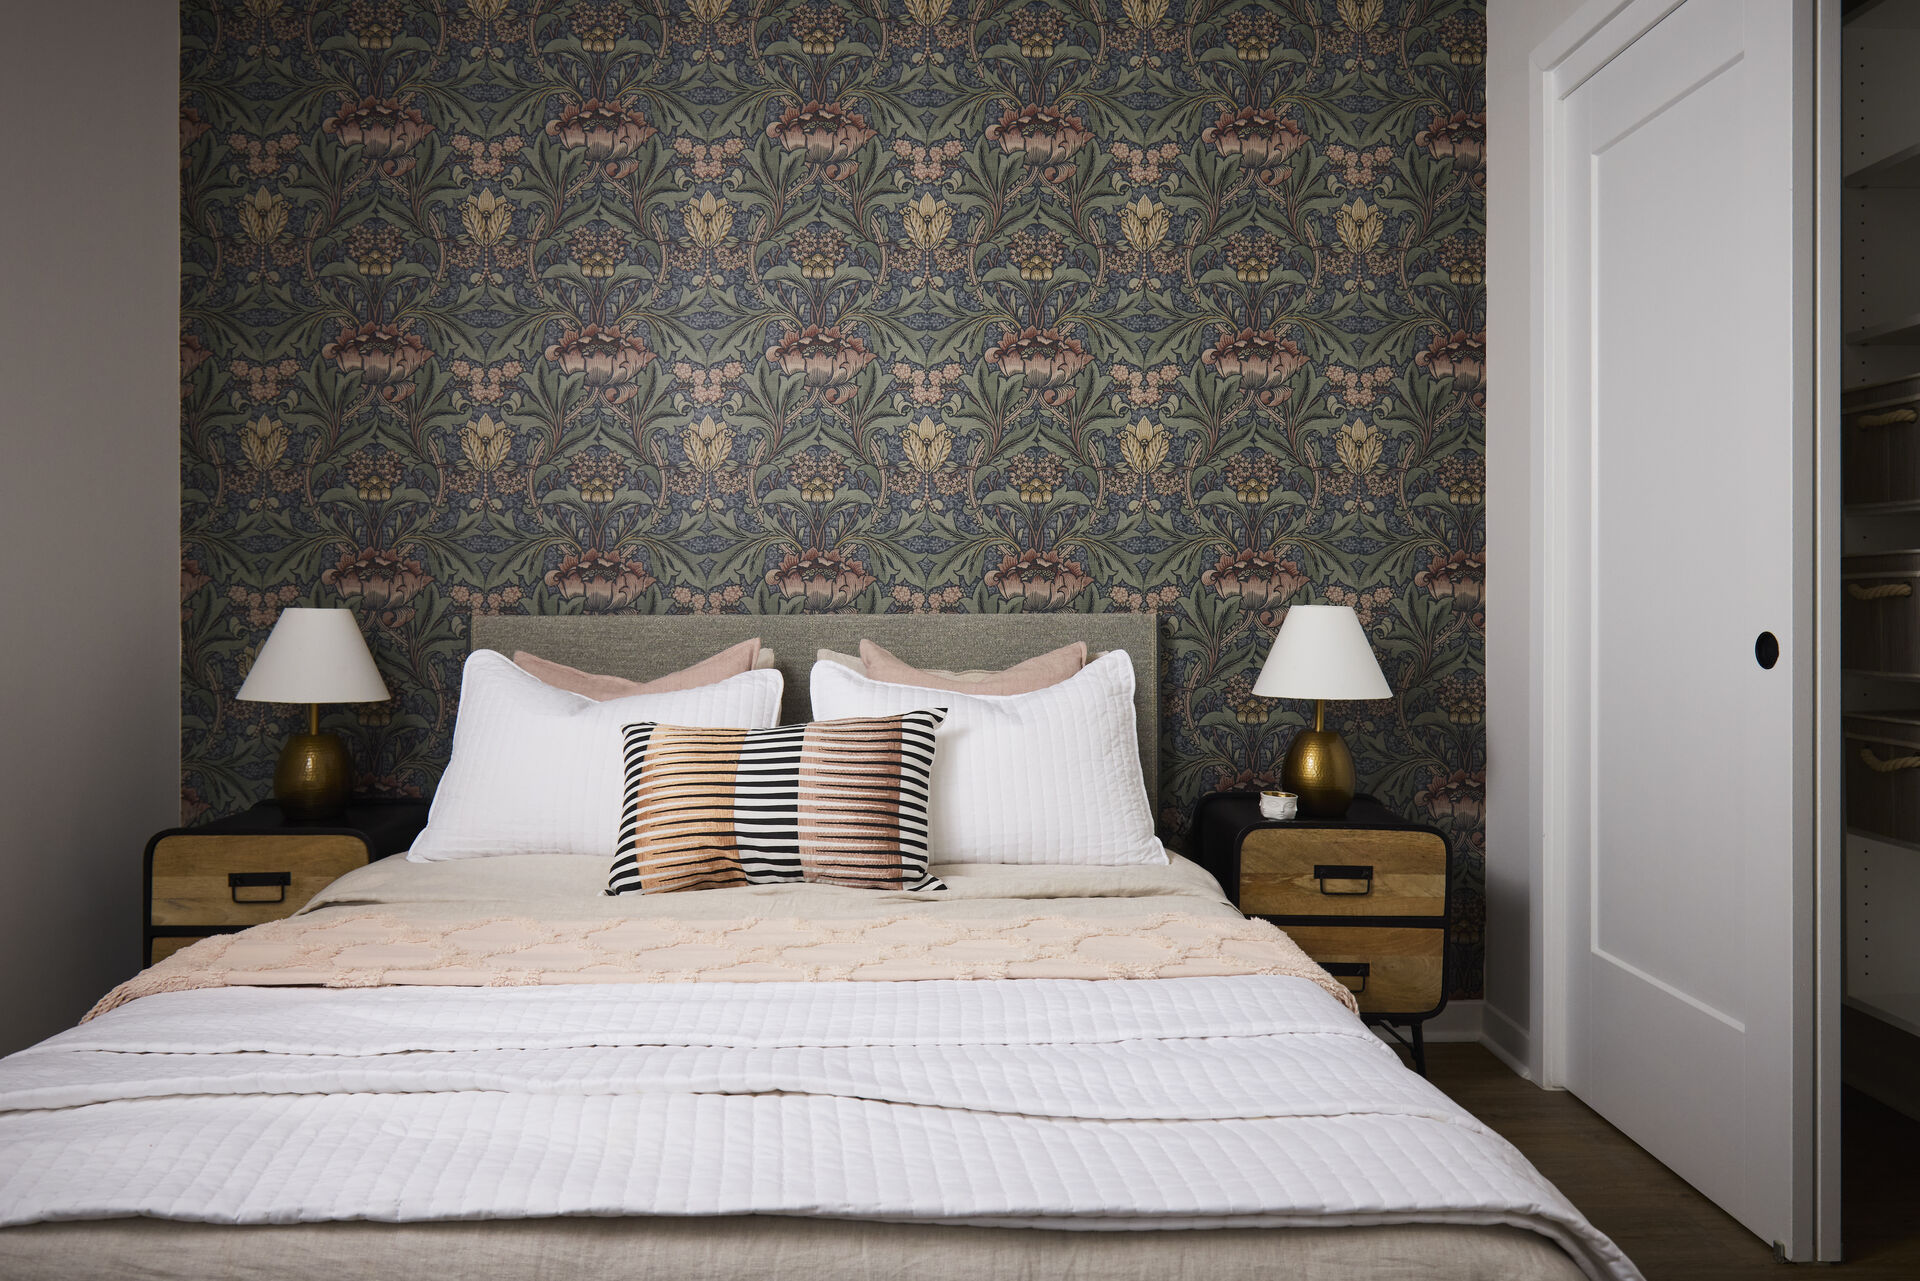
(837, 802)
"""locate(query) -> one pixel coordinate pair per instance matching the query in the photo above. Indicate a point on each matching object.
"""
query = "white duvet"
(1122, 1104)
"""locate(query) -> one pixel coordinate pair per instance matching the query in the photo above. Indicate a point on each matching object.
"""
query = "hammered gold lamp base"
(314, 776)
(1319, 769)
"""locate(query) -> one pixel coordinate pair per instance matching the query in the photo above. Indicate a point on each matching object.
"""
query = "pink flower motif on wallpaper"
(262, 383)
(1044, 360)
(265, 157)
(599, 581)
(1260, 579)
(487, 384)
(193, 354)
(1261, 360)
(1042, 580)
(822, 579)
(1358, 388)
(1256, 137)
(1144, 387)
(1361, 168)
(944, 600)
(1460, 577)
(709, 161)
(929, 386)
(708, 386)
(607, 133)
(1146, 166)
(722, 600)
(932, 162)
(1460, 137)
(825, 133)
(1151, 601)
(1046, 136)
(1460, 796)
(493, 602)
(607, 357)
(191, 127)
(1374, 602)
(380, 579)
(383, 127)
(1459, 355)
(487, 159)
(262, 608)
(192, 577)
(826, 359)
(381, 354)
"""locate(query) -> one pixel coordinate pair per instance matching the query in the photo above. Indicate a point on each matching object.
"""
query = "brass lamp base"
(1319, 769)
(314, 776)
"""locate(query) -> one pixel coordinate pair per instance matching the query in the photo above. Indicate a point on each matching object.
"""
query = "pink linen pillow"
(1022, 678)
(730, 661)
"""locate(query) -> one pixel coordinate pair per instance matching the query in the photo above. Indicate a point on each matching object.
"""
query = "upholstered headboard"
(642, 646)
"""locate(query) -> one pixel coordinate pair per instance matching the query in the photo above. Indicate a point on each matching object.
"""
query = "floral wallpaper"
(692, 306)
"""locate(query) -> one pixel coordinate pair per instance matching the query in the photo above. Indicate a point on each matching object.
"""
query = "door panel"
(1688, 413)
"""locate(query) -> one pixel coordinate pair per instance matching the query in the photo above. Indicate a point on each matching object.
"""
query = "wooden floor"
(1672, 1232)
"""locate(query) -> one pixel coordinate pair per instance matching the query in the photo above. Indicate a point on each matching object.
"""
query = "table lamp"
(1321, 652)
(313, 656)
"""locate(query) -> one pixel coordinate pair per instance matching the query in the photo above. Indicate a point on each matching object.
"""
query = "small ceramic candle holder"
(1279, 805)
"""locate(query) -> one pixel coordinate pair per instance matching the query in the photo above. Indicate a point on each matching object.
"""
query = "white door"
(1682, 412)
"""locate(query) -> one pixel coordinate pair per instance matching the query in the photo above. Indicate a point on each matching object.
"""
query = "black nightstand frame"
(1212, 831)
(387, 828)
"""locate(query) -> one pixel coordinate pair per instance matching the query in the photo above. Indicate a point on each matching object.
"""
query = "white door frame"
(1596, 33)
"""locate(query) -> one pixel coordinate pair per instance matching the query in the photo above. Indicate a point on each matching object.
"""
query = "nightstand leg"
(1420, 1047)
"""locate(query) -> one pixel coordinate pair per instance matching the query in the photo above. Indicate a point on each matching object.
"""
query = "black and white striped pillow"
(835, 802)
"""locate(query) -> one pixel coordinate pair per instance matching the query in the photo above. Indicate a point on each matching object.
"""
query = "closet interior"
(1880, 568)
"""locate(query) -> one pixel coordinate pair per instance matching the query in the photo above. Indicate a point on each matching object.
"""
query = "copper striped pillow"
(836, 802)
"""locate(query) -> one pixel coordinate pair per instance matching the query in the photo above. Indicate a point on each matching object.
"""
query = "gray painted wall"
(89, 495)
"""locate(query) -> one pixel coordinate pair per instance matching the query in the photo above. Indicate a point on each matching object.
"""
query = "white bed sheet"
(1106, 1104)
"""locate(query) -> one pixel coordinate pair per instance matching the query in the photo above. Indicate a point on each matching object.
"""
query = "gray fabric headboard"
(643, 646)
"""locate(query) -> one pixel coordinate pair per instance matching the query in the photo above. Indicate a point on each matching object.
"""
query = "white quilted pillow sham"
(1047, 777)
(537, 770)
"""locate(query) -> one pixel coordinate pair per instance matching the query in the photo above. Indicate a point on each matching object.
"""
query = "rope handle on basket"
(1892, 765)
(1887, 418)
(1882, 592)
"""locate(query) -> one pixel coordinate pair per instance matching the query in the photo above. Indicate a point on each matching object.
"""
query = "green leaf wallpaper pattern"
(692, 306)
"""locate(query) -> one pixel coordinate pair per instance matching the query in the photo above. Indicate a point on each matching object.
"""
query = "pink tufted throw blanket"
(380, 949)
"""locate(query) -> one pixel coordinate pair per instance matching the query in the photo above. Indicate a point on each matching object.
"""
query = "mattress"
(1182, 1083)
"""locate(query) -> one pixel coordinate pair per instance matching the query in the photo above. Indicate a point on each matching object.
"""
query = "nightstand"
(1367, 896)
(258, 866)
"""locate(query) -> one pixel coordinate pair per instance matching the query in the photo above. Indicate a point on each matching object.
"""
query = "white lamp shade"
(314, 656)
(1321, 651)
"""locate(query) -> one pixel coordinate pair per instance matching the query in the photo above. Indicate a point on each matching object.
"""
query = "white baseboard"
(1506, 1040)
(1480, 1023)
(1460, 1021)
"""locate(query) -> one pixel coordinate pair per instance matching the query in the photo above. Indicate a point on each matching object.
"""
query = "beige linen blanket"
(525, 920)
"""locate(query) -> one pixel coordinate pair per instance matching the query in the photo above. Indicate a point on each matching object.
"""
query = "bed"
(490, 1068)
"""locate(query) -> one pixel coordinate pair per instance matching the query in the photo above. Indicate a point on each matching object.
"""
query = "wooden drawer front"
(1278, 872)
(1406, 965)
(191, 885)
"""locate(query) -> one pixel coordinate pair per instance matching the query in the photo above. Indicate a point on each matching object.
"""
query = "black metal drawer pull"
(1349, 970)
(1325, 872)
(237, 881)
